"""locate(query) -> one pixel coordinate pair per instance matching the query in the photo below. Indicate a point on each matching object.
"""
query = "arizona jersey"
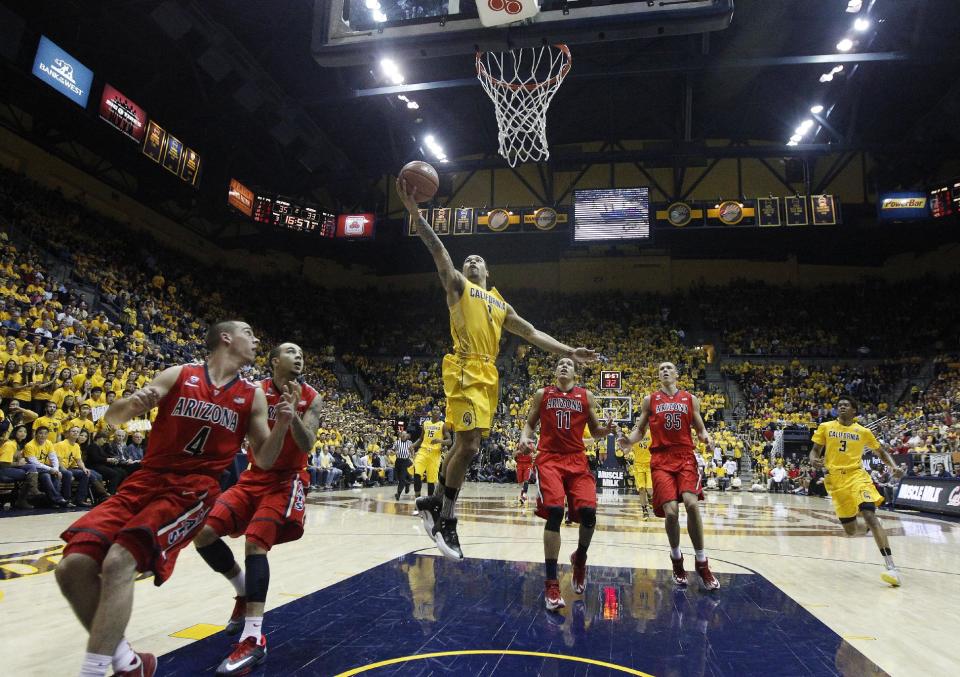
(199, 426)
(432, 436)
(291, 457)
(845, 444)
(670, 420)
(476, 321)
(563, 416)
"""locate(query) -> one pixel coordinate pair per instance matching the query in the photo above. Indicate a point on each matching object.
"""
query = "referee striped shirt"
(402, 447)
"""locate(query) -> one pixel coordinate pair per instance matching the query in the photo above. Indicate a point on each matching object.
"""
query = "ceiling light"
(379, 16)
(826, 77)
(806, 124)
(402, 97)
(854, 6)
(429, 140)
(816, 110)
(796, 137)
(845, 45)
(413, 105)
(861, 25)
(837, 69)
(372, 4)
(791, 143)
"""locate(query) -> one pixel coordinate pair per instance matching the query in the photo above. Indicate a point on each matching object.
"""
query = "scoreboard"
(284, 213)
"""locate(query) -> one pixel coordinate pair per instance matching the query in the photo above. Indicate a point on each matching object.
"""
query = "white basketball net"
(521, 83)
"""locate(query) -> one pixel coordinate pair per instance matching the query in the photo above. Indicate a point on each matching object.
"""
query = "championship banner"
(824, 210)
(544, 218)
(153, 141)
(441, 220)
(191, 166)
(681, 215)
(172, 154)
(463, 221)
(911, 206)
(412, 224)
(119, 111)
(768, 212)
(796, 210)
(497, 221)
(733, 213)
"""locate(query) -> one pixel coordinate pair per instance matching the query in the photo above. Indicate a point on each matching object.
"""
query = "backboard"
(353, 32)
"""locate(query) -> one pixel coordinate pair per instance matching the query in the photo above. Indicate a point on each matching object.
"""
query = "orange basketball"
(422, 178)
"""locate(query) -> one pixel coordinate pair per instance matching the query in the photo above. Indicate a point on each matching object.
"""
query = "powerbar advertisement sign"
(930, 495)
(62, 71)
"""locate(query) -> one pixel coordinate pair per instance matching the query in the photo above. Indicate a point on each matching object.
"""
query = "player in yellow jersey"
(428, 450)
(850, 487)
(641, 474)
(470, 378)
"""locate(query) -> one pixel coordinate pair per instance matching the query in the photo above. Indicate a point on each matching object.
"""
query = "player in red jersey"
(204, 412)
(562, 411)
(670, 413)
(267, 507)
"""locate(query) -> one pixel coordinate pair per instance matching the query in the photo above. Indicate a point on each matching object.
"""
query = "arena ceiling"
(237, 79)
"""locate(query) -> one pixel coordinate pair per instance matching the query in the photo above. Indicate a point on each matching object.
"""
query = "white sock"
(252, 627)
(124, 658)
(675, 553)
(94, 665)
(239, 584)
(701, 555)
(888, 560)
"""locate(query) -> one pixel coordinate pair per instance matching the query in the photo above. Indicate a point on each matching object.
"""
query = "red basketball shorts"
(564, 477)
(153, 515)
(674, 474)
(266, 507)
(523, 472)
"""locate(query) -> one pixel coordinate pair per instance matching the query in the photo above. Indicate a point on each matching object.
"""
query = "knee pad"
(554, 518)
(588, 517)
(218, 555)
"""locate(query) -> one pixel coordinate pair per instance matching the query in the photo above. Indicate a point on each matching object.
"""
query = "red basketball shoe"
(245, 657)
(551, 595)
(679, 573)
(707, 580)
(147, 667)
(235, 624)
(579, 572)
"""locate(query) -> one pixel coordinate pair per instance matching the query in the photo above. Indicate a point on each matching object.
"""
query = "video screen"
(611, 214)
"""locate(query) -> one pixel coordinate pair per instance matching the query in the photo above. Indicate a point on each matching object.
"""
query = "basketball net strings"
(527, 81)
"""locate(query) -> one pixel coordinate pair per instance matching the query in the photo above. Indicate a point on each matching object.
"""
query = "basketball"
(422, 178)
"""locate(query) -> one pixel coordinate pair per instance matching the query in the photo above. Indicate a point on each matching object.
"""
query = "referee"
(402, 449)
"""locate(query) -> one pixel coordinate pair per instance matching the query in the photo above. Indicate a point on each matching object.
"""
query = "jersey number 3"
(195, 446)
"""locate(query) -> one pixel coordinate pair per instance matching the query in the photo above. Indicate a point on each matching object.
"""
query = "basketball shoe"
(551, 595)
(679, 573)
(445, 535)
(579, 572)
(428, 508)
(707, 580)
(891, 577)
(245, 656)
(235, 624)
(147, 667)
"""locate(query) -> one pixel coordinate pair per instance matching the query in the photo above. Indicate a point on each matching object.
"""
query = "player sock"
(258, 573)
(251, 627)
(417, 484)
(449, 508)
(94, 665)
(701, 555)
(441, 485)
(125, 658)
(551, 565)
(675, 553)
(238, 584)
(887, 558)
(525, 485)
(430, 488)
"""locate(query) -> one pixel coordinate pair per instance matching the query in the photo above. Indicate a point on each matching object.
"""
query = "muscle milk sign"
(930, 494)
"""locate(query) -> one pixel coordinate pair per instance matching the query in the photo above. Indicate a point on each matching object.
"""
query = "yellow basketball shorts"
(642, 476)
(427, 462)
(470, 384)
(849, 489)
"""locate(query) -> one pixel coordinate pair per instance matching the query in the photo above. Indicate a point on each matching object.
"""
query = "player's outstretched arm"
(265, 444)
(522, 328)
(639, 428)
(451, 278)
(144, 399)
(304, 430)
(816, 455)
(698, 423)
(529, 432)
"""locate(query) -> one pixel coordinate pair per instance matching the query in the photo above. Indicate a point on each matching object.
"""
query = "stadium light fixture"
(854, 6)
(413, 105)
(817, 109)
(845, 45)
(861, 25)
(791, 143)
(796, 138)
(391, 70)
(372, 4)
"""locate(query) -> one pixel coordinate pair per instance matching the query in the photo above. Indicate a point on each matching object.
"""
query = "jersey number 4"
(195, 446)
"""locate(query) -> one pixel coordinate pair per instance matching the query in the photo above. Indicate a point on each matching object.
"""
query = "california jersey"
(563, 416)
(291, 457)
(845, 444)
(476, 320)
(199, 426)
(670, 420)
(641, 454)
(432, 436)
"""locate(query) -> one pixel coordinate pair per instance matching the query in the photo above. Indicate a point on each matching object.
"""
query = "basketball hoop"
(521, 83)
